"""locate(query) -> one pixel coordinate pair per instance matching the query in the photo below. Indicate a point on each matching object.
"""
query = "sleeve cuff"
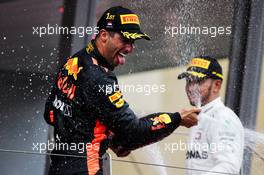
(176, 118)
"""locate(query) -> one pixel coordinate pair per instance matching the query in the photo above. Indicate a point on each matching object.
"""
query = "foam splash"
(198, 97)
(253, 147)
(254, 139)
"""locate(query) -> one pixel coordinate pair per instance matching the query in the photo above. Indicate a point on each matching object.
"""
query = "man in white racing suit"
(216, 144)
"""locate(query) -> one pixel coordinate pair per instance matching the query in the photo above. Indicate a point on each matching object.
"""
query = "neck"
(212, 98)
(96, 52)
(99, 47)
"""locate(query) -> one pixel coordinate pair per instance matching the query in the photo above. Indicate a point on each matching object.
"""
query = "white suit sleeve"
(226, 140)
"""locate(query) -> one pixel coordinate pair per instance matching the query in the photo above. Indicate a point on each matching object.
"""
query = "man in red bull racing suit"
(87, 109)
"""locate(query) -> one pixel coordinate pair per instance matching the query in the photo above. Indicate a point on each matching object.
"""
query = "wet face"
(116, 48)
(200, 92)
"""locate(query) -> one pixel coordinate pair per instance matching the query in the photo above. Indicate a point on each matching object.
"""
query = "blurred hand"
(189, 117)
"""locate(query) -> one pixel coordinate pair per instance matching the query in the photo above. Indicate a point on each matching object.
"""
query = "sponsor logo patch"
(115, 96)
(89, 48)
(117, 99)
(72, 67)
(163, 118)
(129, 19)
(198, 136)
(63, 107)
(198, 62)
(196, 155)
(160, 121)
(65, 86)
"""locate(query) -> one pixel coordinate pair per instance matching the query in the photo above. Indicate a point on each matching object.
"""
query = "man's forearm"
(147, 130)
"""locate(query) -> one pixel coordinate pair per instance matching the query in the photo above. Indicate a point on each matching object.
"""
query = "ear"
(217, 85)
(103, 35)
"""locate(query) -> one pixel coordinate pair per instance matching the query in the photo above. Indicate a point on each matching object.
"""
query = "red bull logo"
(163, 118)
(72, 67)
(160, 121)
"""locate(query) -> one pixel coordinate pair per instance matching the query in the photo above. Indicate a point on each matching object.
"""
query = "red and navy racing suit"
(85, 107)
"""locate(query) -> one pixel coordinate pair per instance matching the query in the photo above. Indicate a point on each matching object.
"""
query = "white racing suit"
(216, 144)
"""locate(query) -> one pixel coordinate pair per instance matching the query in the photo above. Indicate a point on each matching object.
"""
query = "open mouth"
(121, 58)
(122, 54)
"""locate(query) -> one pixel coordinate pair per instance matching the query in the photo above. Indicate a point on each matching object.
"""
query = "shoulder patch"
(72, 67)
(116, 99)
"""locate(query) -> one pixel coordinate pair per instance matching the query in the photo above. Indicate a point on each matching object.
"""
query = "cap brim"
(135, 35)
(190, 74)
